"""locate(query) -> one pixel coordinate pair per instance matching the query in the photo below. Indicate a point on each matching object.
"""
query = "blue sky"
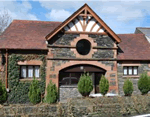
(121, 16)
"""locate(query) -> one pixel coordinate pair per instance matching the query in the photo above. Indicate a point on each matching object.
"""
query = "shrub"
(52, 94)
(128, 87)
(3, 93)
(85, 85)
(34, 92)
(103, 85)
(144, 83)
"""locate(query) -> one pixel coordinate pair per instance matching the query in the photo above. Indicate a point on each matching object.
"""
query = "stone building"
(83, 42)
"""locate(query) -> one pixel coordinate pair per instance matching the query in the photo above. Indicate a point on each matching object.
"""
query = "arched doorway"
(69, 77)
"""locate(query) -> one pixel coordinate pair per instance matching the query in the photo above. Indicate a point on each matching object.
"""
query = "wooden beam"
(88, 22)
(99, 28)
(93, 26)
(83, 32)
(83, 15)
(80, 22)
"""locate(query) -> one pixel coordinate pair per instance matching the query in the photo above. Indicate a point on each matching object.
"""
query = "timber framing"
(95, 33)
(85, 8)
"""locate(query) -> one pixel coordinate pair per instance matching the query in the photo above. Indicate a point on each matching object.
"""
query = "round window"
(83, 47)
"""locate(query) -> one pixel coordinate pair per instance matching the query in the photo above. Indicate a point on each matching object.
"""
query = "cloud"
(119, 10)
(18, 10)
(58, 15)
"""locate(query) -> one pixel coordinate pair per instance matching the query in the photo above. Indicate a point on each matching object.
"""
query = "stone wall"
(103, 40)
(63, 39)
(83, 107)
(142, 67)
(66, 39)
(68, 92)
(106, 51)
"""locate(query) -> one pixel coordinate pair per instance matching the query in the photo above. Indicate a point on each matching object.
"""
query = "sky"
(122, 16)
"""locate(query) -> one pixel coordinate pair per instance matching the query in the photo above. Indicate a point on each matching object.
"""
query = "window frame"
(132, 71)
(27, 72)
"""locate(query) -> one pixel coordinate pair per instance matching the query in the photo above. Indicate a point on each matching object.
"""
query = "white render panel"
(79, 27)
(66, 28)
(101, 30)
(72, 27)
(90, 24)
(96, 27)
(81, 19)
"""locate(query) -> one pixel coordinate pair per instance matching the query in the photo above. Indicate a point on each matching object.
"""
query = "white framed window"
(37, 71)
(130, 70)
(125, 70)
(23, 72)
(135, 70)
(30, 71)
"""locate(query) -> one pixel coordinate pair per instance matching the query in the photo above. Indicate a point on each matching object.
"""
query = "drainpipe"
(6, 73)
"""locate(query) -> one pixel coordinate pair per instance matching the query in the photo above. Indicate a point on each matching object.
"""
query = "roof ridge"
(131, 34)
(143, 27)
(17, 20)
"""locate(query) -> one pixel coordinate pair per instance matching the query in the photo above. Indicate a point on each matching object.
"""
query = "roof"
(24, 34)
(143, 30)
(134, 47)
(75, 14)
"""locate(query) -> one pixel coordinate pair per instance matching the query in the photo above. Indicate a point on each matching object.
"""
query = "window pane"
(30, 71)
(135, 70)
(130, 70)
(74, 81)
(65, 81)
(23, 71)
(37, 71)
(125, 70)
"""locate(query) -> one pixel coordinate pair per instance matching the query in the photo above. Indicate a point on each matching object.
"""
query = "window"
(130, 70)
(69, 81)
(83, 47)
(30, 71)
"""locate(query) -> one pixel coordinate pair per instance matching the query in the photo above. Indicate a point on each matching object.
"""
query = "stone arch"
(94, 63)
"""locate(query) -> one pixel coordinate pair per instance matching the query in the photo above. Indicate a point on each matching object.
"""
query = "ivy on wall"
(19, 90)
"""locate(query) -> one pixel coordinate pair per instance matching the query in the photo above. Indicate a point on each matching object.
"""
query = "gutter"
(6, 73)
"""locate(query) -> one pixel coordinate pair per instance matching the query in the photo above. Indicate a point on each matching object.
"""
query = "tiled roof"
(134, 47)
(24, 34)
(144, 30)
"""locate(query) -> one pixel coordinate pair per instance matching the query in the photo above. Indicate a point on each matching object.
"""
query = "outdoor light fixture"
(81, 67)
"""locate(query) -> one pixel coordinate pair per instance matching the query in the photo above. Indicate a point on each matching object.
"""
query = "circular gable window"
(83, 47)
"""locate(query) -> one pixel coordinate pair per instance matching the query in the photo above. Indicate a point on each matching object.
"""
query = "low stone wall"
(69, 91)
(83, 107)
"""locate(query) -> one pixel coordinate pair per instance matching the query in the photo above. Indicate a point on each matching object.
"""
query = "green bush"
(52, 94)
(128, 87)
(144, 83)
(34, 92)
(3, 93)
(85, 85)
(103, 85)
